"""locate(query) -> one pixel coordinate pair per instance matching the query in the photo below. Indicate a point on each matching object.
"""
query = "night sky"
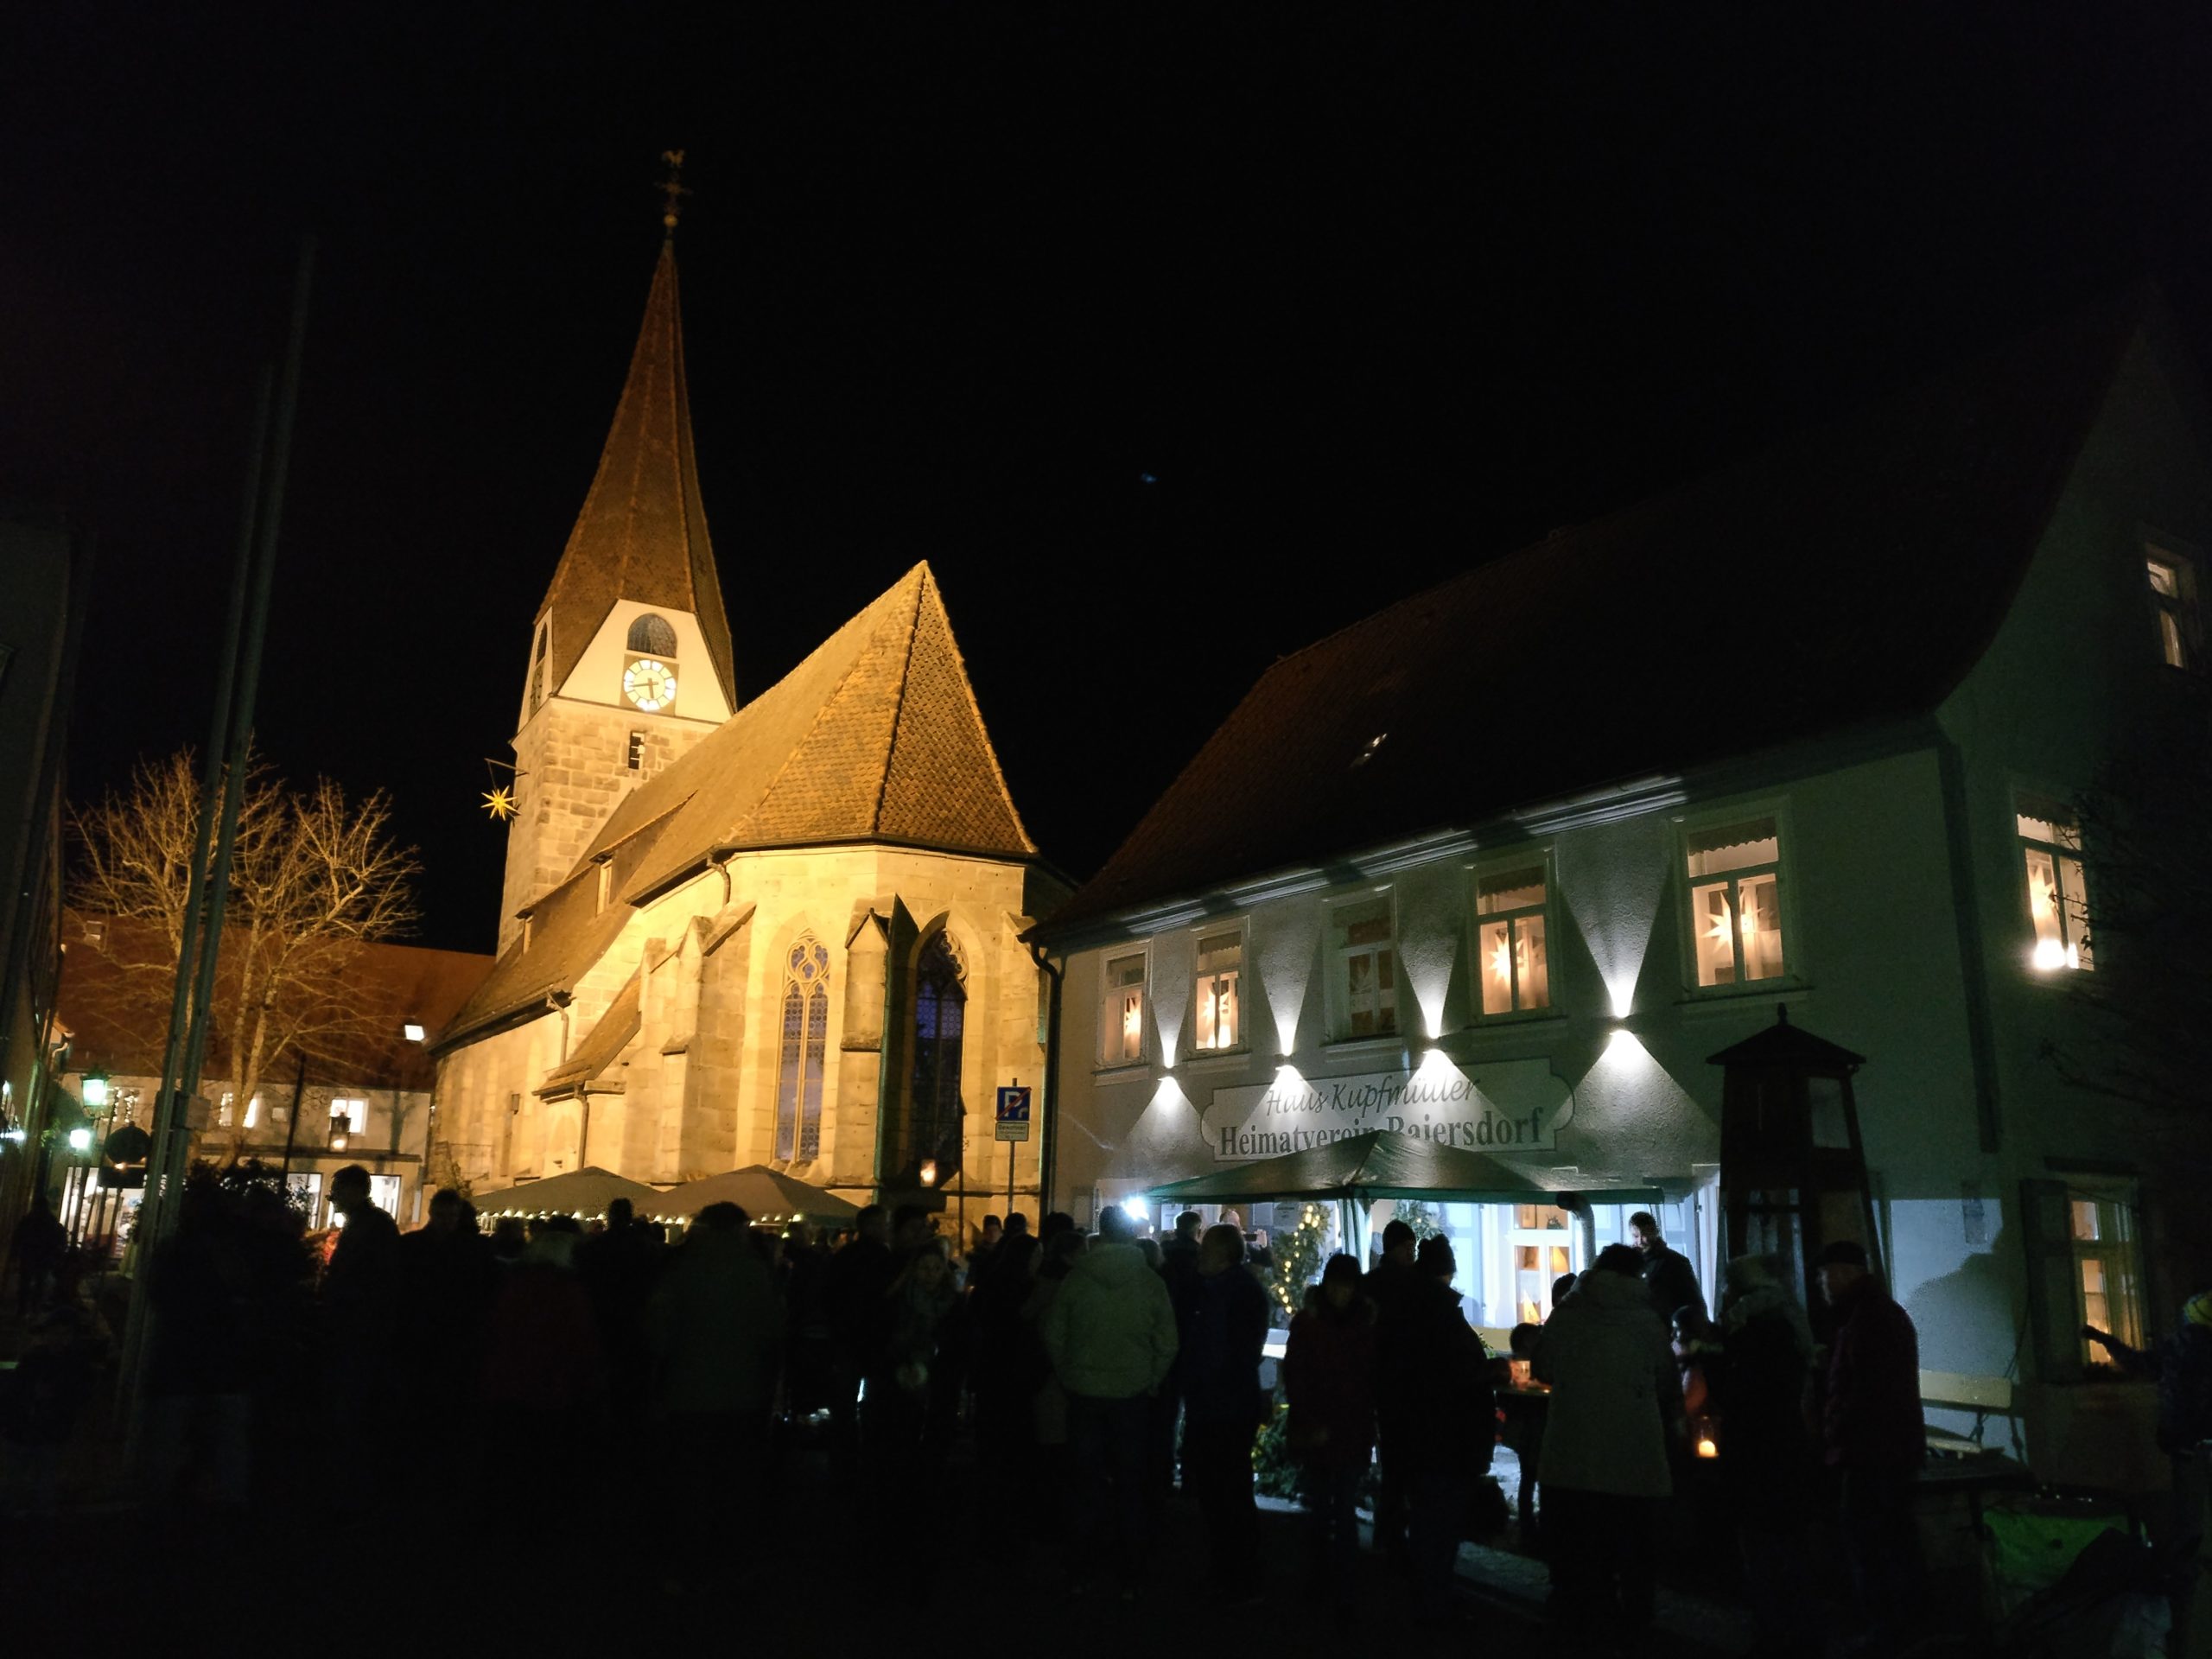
(1174, 335)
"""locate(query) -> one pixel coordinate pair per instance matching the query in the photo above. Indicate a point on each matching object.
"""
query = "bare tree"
(313, 878)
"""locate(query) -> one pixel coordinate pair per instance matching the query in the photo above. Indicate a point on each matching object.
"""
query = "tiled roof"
(1844, 579)
(874, 737)
(642, 534)
(117, 1017)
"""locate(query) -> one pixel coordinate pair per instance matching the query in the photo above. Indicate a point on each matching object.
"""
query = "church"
(780, 929)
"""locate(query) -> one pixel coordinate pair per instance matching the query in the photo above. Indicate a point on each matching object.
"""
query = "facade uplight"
(412, 1031)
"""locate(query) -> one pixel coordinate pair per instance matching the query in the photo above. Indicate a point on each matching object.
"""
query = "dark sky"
(1175, 335)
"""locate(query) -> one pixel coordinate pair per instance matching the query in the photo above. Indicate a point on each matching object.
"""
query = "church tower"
(630, 660)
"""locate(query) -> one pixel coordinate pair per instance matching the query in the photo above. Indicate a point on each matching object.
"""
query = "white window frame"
(2118, 1202)
(355, 1109)
(2183, 607)
(1478, 921)
(1784, 871)
(2052, 807)
(1337, 960)
(1117, 1058)
(1242, 928)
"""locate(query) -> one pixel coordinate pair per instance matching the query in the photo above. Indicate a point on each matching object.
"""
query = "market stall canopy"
(763, 1193)
(1384, 1164)
(585, 1192)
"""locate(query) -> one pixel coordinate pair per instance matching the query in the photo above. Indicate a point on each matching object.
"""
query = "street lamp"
(80, 1139)
(94, 1088)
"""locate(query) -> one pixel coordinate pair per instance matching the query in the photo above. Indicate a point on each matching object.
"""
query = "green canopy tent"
(584, 1194)
(765, 1194)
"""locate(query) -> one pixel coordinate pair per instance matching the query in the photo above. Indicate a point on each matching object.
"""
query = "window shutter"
(2054, 1321)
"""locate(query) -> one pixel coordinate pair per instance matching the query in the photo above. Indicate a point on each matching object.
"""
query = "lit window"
(1221, 974)
(355, 1113)
(2058, 912)
(225, 1111)
(2173, 598)
(1736, 902)
(1121, 1018)
(1515, 966)
(253, 1113)
(807, 1025)
(2101, 1223)
(1367, 968)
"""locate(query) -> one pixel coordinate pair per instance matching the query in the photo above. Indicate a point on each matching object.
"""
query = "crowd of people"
(1095, 1370)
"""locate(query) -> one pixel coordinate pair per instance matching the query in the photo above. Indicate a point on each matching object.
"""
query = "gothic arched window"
(806, 1030)
(652, 635)
(934, 1111)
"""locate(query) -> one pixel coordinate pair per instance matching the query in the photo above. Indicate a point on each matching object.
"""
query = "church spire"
(642, 534)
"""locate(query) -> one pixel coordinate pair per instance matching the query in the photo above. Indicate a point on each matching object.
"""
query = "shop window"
(1364, 943)
(801, 1053)
(1217, 1001)
(1511, 918)
(1121, 1014)
(2173, 601)
(2058, 909)
(1735, 899)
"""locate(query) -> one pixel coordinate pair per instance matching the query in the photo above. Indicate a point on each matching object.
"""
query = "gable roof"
(875, 737)
(1844, 579)
(113, 1001)
(642, 534)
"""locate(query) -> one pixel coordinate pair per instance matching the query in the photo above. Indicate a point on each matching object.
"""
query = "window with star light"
(1513, 935)
(1734, 873)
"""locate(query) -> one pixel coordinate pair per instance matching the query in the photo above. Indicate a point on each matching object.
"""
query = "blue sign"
(1013, 1114)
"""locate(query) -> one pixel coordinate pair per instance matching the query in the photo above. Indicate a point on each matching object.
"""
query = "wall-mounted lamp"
(94, 1088)
(928, 1171)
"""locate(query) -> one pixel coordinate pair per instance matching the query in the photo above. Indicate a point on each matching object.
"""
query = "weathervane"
(672, 190)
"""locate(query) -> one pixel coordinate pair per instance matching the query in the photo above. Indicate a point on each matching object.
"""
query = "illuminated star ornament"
(500, 802)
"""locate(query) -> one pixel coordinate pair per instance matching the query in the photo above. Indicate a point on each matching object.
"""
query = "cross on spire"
(672, 190)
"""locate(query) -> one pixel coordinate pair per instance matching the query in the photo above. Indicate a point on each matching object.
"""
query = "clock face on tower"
(650, 685)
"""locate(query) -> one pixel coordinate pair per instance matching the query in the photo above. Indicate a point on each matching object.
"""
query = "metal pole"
(292, 1121)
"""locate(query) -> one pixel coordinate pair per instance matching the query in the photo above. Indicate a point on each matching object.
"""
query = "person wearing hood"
(1756, 1378)
(1111, 1333)
(2182, 1363)
(1328, 1373)
(1614, 1414)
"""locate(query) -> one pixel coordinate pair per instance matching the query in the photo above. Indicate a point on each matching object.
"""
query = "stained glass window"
(935, 1111)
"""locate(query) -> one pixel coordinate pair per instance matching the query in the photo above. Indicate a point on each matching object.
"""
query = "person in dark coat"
(1666, 1272)
(1222, 1407)
(198, 1356)
(1756, 1379)
(445, 1280)
(617, 1266)
(1449, 1430)
(1875, 1438)
(2182, 1363)
(1394, 1288)
(543, 1368)
(1329, 1374)
(35, 1250)
(360, 1305)
(854, 1288)
(1006, 1364)
(1179, 1270)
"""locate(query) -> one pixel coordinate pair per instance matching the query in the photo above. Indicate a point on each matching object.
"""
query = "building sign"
(1012, 1121)
(1502, 1106)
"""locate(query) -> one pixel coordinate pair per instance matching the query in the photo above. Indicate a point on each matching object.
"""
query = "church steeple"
(642, 534)
(630, 661)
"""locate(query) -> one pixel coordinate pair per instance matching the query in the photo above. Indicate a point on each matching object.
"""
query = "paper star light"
(500, 802)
